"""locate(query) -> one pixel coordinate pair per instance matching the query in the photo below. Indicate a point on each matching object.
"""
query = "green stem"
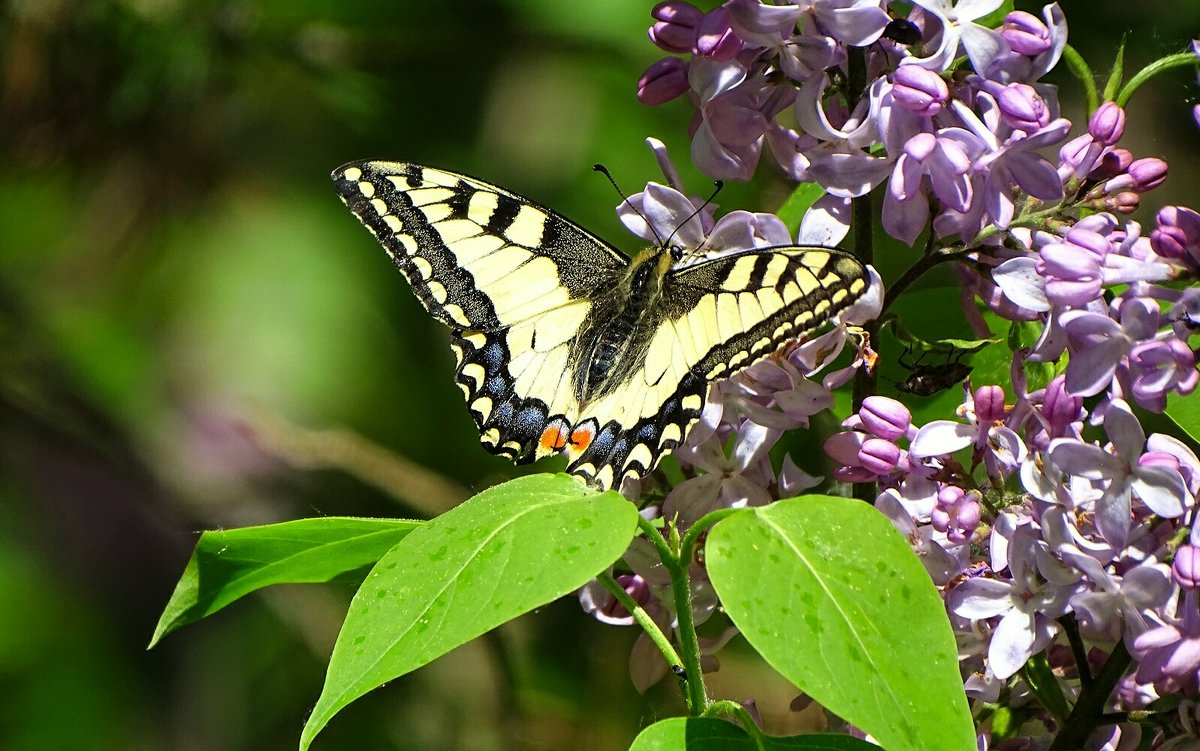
(689, 641)
(1179, 60)
(1077, 65)
(733, 709)
(1089, 709)
(702, 525)
(643, 619)
(1033, 219)
(681, 590)
(656, 539)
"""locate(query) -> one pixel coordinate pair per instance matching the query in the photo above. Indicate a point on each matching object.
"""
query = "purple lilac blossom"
(1020, 515)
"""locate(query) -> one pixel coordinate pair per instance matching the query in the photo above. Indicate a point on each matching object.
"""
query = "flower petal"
(1020, 282)
(1162, 489)
(941, 437)
(1012, 643)
(980, 598)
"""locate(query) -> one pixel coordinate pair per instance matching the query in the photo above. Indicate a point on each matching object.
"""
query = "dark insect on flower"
(902, 31)
(927, 380)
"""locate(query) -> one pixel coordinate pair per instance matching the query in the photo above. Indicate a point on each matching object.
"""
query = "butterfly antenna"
(717, 185)
(604, 171)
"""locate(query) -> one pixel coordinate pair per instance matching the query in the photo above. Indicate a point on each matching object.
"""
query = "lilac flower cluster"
(1048, 518)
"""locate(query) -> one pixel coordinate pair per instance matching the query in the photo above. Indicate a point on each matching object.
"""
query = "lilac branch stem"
(695, 692)
(1088, 712)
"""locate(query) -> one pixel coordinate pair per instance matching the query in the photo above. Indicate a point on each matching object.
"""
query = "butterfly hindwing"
(558, 350)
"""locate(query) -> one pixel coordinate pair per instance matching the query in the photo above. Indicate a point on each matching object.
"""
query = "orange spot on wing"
(581, 437)
(554, 437)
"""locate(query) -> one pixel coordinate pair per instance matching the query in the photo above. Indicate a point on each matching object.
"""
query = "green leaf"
(800, 201)
(831, 595)
(705, 734)
(1161, 65)
(508, 550)
(1184, 411)
(229, 564)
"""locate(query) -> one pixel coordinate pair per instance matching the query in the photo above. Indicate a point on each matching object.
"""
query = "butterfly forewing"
(478, 257)
(728, 312)
(522, 287)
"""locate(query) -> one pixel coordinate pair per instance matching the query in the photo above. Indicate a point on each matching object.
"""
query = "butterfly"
(563, 344)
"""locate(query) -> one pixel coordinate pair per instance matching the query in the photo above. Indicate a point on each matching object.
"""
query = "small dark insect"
(927, 380)
(679, 672)
(903, 31)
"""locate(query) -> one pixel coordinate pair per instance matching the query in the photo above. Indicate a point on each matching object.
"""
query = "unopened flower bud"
(715, 39)
(1096, 244)
(939, 519)
(1185, 569)
(968, 514)
(1147, 174)
(879, 456)
(1159, 459)
(1177, 234)
(919, 90)
(843, 447)
(1060, 408)
(989, 403)
(675, 30)
(663, 81)
(1125, 202)
(1112, 163)
(1107, 123)
(1025, 33)
(949, 496)
(1022, 107)
(886, 418)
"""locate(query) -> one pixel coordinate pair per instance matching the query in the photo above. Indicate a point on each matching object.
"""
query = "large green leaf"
(506, 551)
(831, 595)
(704, 734)
(231, 563)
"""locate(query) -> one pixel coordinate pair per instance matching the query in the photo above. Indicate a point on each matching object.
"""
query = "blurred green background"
(195, 333)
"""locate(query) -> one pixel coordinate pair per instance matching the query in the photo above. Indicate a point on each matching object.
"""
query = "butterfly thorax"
(623, 322)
